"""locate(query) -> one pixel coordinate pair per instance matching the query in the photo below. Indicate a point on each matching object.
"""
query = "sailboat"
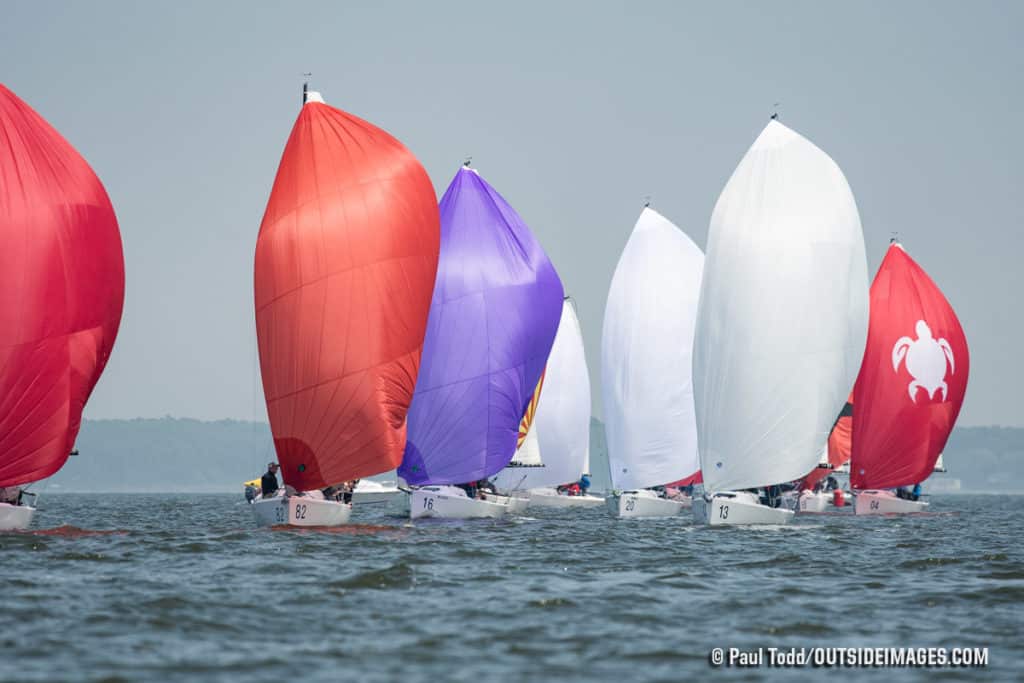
(646, 344)
(555, 449)
(345, 264)
(910, 388)
(493, 319)
(782, 323)
(62, 282)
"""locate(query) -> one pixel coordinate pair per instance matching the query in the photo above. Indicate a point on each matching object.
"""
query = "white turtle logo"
(926, 361)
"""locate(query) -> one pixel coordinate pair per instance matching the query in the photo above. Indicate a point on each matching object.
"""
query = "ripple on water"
(185, 588)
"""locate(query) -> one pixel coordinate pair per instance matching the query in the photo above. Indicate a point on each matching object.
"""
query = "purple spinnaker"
(495, 310)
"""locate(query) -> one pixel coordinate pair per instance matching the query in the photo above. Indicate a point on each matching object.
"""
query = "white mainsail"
(783, 314)
(646, 347)
(560, 433)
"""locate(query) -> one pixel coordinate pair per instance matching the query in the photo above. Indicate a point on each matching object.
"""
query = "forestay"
(646, 345)
(783, 314)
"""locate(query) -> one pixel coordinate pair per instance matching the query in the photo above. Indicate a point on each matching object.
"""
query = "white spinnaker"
(646, 347)
(561, 425)
(783, 314)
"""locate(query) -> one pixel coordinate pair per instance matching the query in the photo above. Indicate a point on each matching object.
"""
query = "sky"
(574, 111)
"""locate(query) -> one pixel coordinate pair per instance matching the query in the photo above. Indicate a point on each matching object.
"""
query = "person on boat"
(915, 494)
(483, 487)
(349, 490)
(268, 483)
(584, 484)
(831, 484)
(469, 488)
(10, 495)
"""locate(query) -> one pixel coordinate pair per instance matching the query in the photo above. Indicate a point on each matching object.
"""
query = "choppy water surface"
(184, 587)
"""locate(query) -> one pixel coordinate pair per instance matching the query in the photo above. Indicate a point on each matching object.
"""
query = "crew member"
(268, 483)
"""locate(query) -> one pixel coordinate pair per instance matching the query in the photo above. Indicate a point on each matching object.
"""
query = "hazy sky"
(573, 111)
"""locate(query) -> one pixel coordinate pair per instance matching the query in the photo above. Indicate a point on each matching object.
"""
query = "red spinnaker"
(345, 266)
(912, 380)
(694, 479)
(61, 291)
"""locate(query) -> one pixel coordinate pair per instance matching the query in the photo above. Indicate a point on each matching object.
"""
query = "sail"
(840, 439)
(62, 291)
(646, 356)
(531, 410)
(912, 381)
(783, 314)
(345, 265)
(492, 322)
(692, 480)
(561, 426)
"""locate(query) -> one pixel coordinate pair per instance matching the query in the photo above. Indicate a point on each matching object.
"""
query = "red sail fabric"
(912, 380)
(695, 478)
(840, 442)
(61, 291)
(345, 266)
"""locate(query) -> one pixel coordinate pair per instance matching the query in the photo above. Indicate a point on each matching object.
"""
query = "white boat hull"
(451, 502)
(373, 493)
(643, 503)
(885, 503)
(300, 511)
(806, 501)
(553, 499)
(735, 509)
(15, 517)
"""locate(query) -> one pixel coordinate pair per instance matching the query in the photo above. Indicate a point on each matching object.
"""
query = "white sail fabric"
(783, 314)
(529, 452)
(561, 425)
(646, 347)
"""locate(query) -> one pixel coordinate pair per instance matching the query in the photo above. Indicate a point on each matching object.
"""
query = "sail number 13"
(723, 512)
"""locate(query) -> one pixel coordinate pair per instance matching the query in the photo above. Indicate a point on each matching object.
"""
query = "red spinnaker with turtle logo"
(912, 380)
(61, 291)
(345, 266)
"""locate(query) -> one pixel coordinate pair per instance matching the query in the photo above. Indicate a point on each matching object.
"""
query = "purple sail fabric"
(493, 317)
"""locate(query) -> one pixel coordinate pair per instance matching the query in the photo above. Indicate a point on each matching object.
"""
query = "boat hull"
(301, 511)
(807, 501)
(885, 503)
(450, 502)
(15, 517)
(734, 509)
(371, 493)
(630, 504)
(553, 499)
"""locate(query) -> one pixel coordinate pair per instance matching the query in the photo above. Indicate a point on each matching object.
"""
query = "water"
(184, 588)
